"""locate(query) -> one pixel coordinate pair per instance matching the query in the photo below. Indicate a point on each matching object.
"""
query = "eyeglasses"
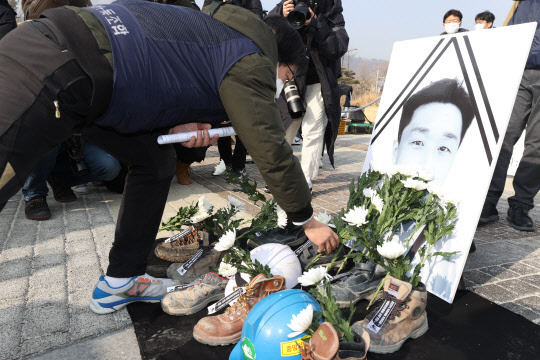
(293, 73)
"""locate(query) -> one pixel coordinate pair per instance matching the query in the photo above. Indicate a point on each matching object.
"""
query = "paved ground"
(49, 268)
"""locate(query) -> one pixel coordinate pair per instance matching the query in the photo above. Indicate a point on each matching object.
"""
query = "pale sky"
(374, 25)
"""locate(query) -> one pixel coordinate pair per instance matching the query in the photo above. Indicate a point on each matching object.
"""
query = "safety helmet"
(265, 331)
(281, 260)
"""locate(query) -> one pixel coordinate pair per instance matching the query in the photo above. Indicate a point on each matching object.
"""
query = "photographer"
(326, 39)
(7, 18)
(58, 169)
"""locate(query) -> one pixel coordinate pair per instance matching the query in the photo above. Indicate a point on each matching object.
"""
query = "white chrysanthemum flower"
(199, 217)
(408, 170)
(301, 322)
(313, 276)
(356, 216)
(220, 168)
(415, 184)
(377, 202)
(368, 192)
(281, 217)
(226, 269)
(324, 218)
(204, 205)
(385, 169)
(226, 241)
(392, 249)
(236, 202)
(425, 174)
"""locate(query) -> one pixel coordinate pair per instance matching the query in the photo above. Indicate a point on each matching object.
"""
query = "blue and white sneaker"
(107, 299)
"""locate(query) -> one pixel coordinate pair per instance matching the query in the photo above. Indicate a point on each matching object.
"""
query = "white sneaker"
(81, 189)
(297, 140)
(220, 168)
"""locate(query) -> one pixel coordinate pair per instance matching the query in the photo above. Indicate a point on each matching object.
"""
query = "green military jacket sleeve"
(247, 93)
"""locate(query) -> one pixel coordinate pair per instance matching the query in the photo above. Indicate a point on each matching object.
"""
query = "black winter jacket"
(254, 6)
(329, 44)
(7, 18)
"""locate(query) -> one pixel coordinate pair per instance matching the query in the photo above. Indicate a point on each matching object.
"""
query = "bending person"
(206, 72)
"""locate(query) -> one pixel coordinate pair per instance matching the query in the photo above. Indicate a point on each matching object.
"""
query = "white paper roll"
(183, 137)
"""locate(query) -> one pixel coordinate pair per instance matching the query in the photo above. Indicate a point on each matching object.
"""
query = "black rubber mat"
(471, 328)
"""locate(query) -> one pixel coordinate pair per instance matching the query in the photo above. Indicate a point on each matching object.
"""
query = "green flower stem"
(377, 292)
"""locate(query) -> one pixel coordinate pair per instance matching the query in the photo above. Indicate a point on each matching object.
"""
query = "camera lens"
(294, 101)
(298, 16)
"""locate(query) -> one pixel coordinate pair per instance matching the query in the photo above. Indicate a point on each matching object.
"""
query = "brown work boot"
(407, 319)
(325, 345)
(226, 328)
(184, 173)
(180, 250)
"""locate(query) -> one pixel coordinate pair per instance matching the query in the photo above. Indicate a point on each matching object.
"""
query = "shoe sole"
(193, 309)
(98, 309)
(233, 339)
(487, 220)
(179, 256)
(393, 348)
(521, 228)
(39, 217)
(363, 295)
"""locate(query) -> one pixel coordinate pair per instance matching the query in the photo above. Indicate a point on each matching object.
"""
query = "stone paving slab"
(49, 268)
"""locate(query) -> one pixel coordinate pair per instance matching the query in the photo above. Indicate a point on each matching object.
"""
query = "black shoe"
(37, 209)
(520, 219)
(240, 173)
(61, 192)
(290, 236)
(489, 214)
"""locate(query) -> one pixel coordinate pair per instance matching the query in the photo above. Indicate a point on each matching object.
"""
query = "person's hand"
(312, 17)
(203, 138)
(321, 235)
(288, 6)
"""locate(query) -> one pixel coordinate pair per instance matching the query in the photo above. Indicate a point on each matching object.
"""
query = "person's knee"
(109, 169)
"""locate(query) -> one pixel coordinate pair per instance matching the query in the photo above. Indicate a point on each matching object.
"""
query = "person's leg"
(292, 130)
(150, 171)
(101, 167)
(527, 179)
(313, 129)
(225, 150)
(239, 156)
(36, 183)
(518, 121)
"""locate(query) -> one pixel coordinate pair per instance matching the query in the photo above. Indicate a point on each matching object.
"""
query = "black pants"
(525, 117)
(36, 71)
(237, 159)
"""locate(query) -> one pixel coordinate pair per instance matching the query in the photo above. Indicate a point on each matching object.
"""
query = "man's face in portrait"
(431, 140)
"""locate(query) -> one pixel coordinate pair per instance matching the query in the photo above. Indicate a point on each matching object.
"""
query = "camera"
(74, 149)
(298, 16)
(294, 101)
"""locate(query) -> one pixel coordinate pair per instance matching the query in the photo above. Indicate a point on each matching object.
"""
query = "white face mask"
(279, 83)
(479, 27)
(451, 28)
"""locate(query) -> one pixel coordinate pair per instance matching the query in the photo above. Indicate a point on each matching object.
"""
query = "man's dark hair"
(486, 16)
(446, 91)
(453, 12)
(290, 45)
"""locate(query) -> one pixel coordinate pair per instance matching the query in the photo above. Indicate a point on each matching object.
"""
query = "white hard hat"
(280, 259)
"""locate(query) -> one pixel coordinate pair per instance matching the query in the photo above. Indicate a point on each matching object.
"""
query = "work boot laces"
(305, 350)
(247, 298)
(396, 311)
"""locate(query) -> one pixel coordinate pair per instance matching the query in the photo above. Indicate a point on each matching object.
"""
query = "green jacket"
(247, 93)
